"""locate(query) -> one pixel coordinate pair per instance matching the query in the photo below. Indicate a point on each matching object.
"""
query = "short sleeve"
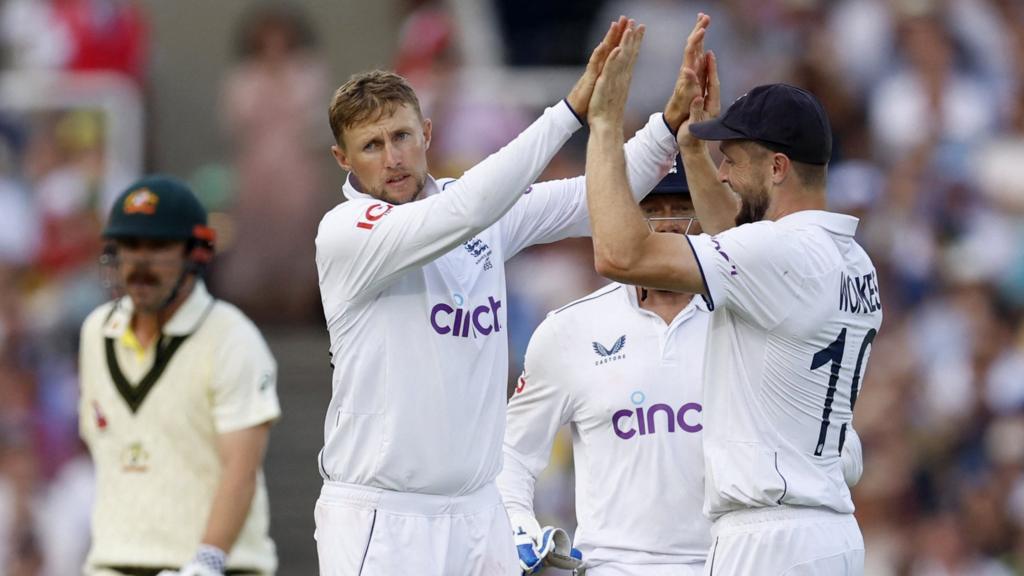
(244, 380)
(749, 269)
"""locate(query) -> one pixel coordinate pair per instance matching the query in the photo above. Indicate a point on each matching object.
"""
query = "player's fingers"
(615, 34)
(697, 109)
(714, 87)
(600, 49)
(614, 62)
(635, 45)
(695, 42)
(611, 39)
(631, 40)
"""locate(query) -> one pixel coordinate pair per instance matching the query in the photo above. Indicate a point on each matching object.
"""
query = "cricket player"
(611, 365)
(177, 398)
(624, 368)
(795, 308)
(413, 286)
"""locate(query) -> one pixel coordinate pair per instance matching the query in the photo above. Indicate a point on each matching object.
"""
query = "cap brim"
(715, 130)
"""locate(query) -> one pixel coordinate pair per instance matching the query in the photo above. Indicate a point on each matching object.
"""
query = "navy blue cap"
(783, 118)
(675, 181)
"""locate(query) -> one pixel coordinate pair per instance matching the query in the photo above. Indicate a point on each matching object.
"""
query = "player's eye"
(371, 146)
(402, 136)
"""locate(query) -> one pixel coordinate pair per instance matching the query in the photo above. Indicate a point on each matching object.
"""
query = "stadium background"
(927, 104)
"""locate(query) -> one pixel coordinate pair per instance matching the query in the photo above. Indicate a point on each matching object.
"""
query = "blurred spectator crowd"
(926, 99)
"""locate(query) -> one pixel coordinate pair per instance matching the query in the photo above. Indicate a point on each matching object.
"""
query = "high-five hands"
(697, 87)
(608, 102)
(579, 97)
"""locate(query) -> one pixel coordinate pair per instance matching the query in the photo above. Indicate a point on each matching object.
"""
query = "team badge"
(141, 201)
(480, 251)
(610, 354)
(134, 458)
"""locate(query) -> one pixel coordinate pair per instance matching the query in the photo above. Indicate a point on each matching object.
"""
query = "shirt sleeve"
(363, 245)
(541, 404)
(86, 354)
(749, 270)
(557, 209)
(244, 381)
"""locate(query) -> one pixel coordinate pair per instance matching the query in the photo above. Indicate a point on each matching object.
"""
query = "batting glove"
(209, 561)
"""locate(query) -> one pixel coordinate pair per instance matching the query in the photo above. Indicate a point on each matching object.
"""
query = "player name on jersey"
(859, 294)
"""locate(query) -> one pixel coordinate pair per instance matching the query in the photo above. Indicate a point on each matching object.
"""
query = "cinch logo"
(464, 322)
(646, 423)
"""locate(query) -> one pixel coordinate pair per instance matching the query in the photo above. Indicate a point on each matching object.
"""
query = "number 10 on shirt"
(833, 354)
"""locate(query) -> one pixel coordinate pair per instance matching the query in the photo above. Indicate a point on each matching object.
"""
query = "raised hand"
(677, 109)
(608, 103)
(579, 97)
(706, 100)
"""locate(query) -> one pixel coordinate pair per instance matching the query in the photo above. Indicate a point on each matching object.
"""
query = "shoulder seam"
(587, 299)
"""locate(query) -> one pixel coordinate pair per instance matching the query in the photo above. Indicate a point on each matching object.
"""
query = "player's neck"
(795, 200)
(667, 305)
(147, 325)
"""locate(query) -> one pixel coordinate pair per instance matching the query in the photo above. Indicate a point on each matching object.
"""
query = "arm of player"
(541, 404)
(241, 455)
(699, 89)
(364, 245)
(557, 209)
(624, 247)
(244, 406)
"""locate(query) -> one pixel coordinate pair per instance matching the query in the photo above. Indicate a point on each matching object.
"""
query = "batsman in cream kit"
(178, 392)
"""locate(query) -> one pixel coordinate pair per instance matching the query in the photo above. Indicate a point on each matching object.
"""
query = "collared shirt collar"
(351, 192)
(834, 222)
(695, 302)
(185, 320)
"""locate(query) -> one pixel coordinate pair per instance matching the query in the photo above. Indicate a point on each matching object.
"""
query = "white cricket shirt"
(629, 386)
(796, 308)
(151, 419)
(414, 298)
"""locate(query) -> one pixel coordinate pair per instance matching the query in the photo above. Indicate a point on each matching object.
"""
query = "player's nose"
(392, 156)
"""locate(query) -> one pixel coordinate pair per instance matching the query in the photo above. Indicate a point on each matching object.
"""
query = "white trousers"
(786, 541)
(363, 531)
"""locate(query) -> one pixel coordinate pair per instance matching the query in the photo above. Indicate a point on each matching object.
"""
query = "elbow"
(614, 266)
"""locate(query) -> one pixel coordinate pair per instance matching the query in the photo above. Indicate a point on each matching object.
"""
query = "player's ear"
(427, 126)
(341, 157)
(781, 167)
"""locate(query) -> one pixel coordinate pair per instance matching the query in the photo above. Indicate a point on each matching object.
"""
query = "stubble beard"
(753, 207)
(381, 193)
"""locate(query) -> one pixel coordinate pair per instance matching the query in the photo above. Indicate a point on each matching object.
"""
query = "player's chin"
(403, 191)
